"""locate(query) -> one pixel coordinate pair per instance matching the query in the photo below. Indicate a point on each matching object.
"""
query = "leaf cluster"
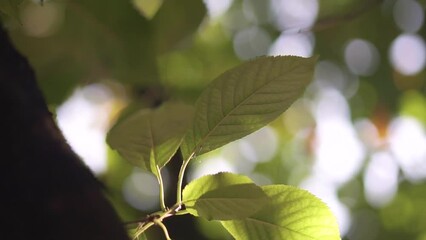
(237, 103)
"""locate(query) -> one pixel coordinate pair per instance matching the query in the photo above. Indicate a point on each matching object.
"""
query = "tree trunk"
(46, 192)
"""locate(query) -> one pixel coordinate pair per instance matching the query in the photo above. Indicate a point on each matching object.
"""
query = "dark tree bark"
(46, 192)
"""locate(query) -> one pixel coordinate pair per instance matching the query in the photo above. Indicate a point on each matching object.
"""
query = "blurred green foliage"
(179, 49)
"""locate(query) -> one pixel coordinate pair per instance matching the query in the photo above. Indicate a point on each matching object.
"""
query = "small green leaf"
(291, 214)
(148, 8)
(244, 99)
(223, 196)
(149, 138)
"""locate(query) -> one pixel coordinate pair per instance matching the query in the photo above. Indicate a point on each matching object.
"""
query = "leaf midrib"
(230, 112)
(151, 133)
(222, 198)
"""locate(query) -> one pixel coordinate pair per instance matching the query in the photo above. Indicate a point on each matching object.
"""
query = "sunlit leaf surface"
(223, 196)
(244, 99)
(292, 214)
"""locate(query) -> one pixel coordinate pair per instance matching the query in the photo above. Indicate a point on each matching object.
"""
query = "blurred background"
(356, 139)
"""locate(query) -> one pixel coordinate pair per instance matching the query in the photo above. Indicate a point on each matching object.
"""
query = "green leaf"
(175, 22)
(148, 8)
(223, 196)
(244, 99)
(291, 214)
(149, 138)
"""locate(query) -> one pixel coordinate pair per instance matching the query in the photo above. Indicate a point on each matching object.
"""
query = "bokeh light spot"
(41, 21)
(216, 8)
(336, 145)
(407, 141)
(408, 54)
(381, 179)
(141, 190)
(259, 146)
(251, 42)
(329, 75)
(408, 15)
(361, 57)
(83, 119)
(209, 165)
(295, 14)
(300, 44)
(233, 155)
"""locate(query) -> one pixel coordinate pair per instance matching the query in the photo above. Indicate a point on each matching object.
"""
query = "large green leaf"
(151, 137)
(223, 196)
(244, 99)
(291, 214)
